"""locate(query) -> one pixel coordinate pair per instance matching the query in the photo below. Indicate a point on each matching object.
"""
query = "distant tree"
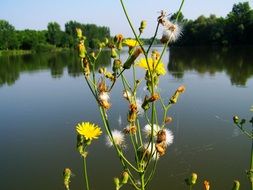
(8, 38)
(29, 39)
(54, 33)
(239, 24)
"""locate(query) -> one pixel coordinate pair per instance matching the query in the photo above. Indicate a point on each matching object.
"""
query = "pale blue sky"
(34, 14)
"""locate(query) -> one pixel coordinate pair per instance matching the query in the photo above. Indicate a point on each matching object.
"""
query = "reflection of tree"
(236, 62)
(12, 66)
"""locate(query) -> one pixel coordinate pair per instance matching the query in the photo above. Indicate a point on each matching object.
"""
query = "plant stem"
(142, 181)
(251, 161)
(85, 174)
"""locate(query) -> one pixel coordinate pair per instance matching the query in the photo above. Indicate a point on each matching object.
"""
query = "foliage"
(47, 40)
(235, 29)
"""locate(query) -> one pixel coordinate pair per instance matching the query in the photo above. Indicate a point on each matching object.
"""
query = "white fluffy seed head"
(172, 31)
(148, 149)
(104, 96)
(169, 137)
(139, 108)
(118, 138)
(147, 130)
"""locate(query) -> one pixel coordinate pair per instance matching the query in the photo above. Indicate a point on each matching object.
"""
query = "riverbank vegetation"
(234, 29)
(50, 40)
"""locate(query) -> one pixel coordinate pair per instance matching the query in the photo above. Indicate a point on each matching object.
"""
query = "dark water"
(42, 98)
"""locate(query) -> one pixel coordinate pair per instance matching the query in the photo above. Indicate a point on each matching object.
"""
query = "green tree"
(54, 33)
(8, 38)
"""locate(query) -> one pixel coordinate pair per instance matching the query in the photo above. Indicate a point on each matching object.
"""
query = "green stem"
(142, 181)
(131, 25)
(153, 39)
(251, 162)
(152, 171)
(85, 173)
(180, 8)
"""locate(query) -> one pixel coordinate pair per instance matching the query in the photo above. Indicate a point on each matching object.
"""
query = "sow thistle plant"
(150, 141)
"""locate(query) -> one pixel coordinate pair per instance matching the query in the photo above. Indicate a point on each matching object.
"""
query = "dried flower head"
(206, 185)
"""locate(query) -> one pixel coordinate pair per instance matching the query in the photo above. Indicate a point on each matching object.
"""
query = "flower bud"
(116, 182)
(143, 26)
(102, 70)
(154, 97)
(168, 120)
(236, 185)
(116, 65)
(114, 53)
(174, 98)
(79, 33)
(106, 41)
(81, 49)
(181, 89)
(145, 104)
(243, 121)
(236, 119)
(132, 58)
(206, 185)
(193, 178)
(125, 177)
(66, 177)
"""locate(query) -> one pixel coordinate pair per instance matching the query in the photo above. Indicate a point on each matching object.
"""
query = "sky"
(32, 14)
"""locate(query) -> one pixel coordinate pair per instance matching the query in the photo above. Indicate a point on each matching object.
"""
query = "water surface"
(43, 97)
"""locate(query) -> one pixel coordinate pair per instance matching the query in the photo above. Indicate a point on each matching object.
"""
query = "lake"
(43, 97)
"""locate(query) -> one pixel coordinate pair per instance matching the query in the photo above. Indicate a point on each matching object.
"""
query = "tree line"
(235, 29)
(49, 39)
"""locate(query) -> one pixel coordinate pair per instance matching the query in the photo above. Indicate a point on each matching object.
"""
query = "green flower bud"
(81, 49)
(114, 53)
(79, 33)
(125, 177)
(132, 58)
(243, 121)
(116, 65)
(66, 177)
(236, 119)
(106, 41)
(174, 98)
(117, 182)
(145, 104)
(193, 178)
(143, 26)
(236, 185)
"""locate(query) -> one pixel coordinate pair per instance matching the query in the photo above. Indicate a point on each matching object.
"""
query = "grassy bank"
(14, 52)
(25, 52)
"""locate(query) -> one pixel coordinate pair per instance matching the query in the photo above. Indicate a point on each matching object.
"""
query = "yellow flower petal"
(130, 42)
(153, 65)
(88, 130)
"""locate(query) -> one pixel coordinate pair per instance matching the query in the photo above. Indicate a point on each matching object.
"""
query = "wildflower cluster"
(149, 136)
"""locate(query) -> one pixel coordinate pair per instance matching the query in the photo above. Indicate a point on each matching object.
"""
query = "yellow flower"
(158, 68)
(130, 42)
(89, 130)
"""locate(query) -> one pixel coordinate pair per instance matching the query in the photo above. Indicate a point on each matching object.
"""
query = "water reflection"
(235, 62)
(12, 66)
